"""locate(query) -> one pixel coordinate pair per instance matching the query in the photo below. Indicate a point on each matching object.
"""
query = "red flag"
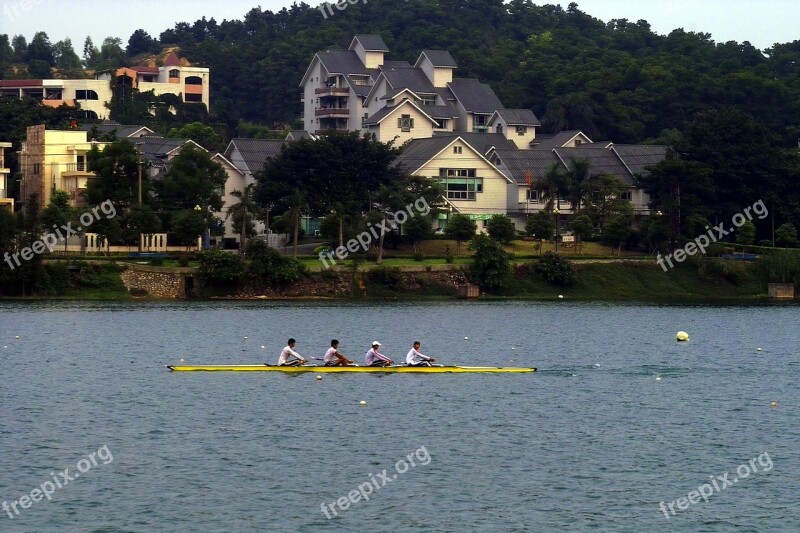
(528, 177)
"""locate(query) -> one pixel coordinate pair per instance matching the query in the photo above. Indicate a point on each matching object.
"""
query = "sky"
(763, 23)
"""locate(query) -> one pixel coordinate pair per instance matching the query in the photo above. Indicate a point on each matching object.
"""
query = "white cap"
(376, 343)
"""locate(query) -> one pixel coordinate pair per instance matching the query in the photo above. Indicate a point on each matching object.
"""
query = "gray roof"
(413, 79)
(121, 131)
(439, 58)
(360, 90)
(519, 162)
(155, 149)
(476, 97)
(481, 142)
(638, 157)
(600, 161)
(253, 152)
(550, 141)
(379, 115)
(390, 64)
(519, 117)
(342, 62)
(296, 135)
(439, 111)
(372, 43)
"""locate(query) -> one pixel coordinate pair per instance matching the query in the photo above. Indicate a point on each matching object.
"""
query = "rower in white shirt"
(334, 358)
(375, 358)
(288, 352)
(417, 358)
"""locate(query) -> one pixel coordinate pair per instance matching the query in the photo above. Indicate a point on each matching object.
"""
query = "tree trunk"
(380, 241)
(243, 237)
(296, 231)
(341, 232)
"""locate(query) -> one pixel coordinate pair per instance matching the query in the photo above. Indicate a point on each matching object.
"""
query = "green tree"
(618, 226)
(65, 56)
(140, 42)
(502, 229)
(460, 228)
(491, 267)
(786, 235)
(554, 184)
(540, 225)
(583, 228)
(20, 46)
(116, 167)
(58, 213)
(91, 55)
(746, 233)
(140, 220)
(188, 225)
(221, 269)
(418, 229)
(205, 136)
(40, 49)
(193, 179)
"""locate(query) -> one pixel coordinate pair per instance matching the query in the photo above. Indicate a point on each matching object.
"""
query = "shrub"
(556, 270)
(501, 228)
(183, 261)
(390, 277)
(328, 274)
(780, 268)
(491, 267)
(157, 261)
(220, 268)
(270, 266)
(418, 256)
(719, 269)
(448, 258)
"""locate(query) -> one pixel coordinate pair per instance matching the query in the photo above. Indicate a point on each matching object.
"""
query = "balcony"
(77, 170)
(332, 91)
(332, 112)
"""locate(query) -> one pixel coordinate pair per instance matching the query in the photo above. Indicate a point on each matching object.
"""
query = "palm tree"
(553, 184)
(578, 186)
(243, 211)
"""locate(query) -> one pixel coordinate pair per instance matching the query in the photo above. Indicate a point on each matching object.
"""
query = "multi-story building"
(191, 83)
(5, 187)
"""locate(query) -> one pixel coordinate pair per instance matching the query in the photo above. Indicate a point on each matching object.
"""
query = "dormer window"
(499, 128)
(522, 130)
(174, 73)
(457, 150)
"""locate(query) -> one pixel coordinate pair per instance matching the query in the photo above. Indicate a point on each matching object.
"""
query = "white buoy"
(682, 336)
(319, 378)
(774, 404)
(758, 349)
(362, 402)
(561, 296)
(465, 338)
(182, 359)
(658, 378)
(263, 347)
(513, 348)
(16, 336)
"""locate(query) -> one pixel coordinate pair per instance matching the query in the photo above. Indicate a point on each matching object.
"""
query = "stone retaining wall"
(159, 282)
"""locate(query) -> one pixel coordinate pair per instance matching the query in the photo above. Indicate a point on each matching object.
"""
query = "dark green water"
(592, 442)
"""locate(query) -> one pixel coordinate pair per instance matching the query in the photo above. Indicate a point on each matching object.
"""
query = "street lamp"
(557, 213)
(206, 237)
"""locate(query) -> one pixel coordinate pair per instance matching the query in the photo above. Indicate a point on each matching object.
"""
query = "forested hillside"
(615, 80)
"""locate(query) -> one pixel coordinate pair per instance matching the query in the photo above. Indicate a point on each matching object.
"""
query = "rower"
(374, 358)
(417, 358)
(334, 358)
(288, 352)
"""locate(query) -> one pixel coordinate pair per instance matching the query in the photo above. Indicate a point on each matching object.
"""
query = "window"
(81, 164)
(499, 128)
(578, 142)
(147, 78)
(532, 196)
(85, 95)
(174, 73)
(457, 150)
(522, 130)
(428, 100)
(193, 80)
(405, 123)
(460, 183)
(36, 169)
(627, 195)
(193, 98)
(440, 124)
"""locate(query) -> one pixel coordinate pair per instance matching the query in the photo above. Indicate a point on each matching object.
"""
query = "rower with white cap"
(374, 358)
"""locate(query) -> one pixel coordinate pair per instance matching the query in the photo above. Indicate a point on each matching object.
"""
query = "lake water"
(593, 441)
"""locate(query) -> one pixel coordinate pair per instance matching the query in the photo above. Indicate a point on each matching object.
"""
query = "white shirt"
(285, 355)
(414, 357)
(330, 355)
(372, 356)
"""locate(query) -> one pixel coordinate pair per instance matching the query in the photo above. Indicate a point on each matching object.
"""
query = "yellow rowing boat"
(338, 369)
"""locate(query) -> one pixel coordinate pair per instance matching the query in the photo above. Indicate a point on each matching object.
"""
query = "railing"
(333, 111)
(78, 167)
(343, 91)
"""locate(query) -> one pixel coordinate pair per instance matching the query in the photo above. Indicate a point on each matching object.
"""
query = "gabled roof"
(371, 43)
(550, 141)
(146, 70)
(600, 161)
(342, 62)
(158, 150)
(385, 112)
(254, 152)
(438, 58)
(476, 97)
(411, 78)
(418, 152)
(516, 117)
(481, 142)
(296, 135)
(637, 157)
(439, 111)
